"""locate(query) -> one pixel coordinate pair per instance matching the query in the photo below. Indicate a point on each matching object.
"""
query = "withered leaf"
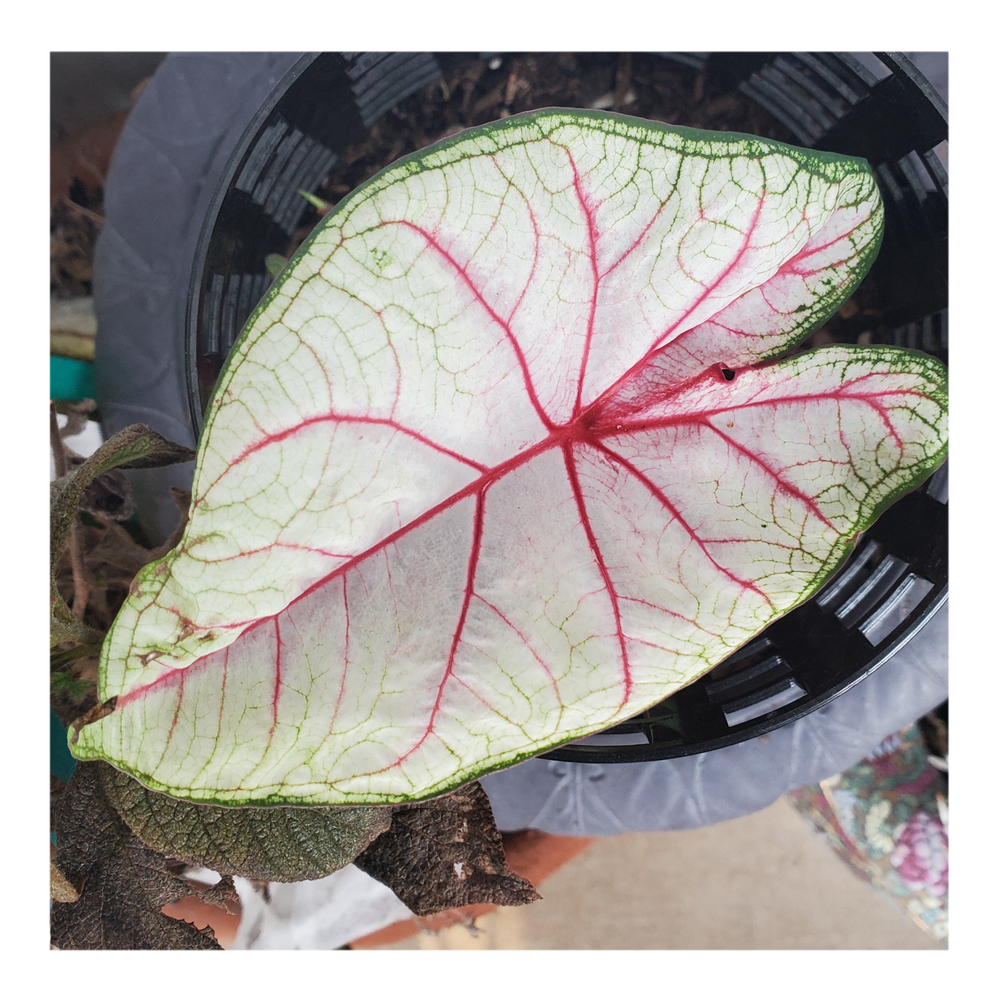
(109, 559)
(112, 550)
(122, 883)
(135, 447)
(109, 495)
(444, 853)
(267, 843)
(62, 891)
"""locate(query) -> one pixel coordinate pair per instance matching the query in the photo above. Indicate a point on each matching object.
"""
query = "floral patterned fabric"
(886, 817)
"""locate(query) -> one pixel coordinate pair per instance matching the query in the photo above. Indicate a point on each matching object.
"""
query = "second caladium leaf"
(496, 463)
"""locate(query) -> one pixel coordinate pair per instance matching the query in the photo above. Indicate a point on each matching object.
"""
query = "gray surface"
(176, 143)
(87, 87)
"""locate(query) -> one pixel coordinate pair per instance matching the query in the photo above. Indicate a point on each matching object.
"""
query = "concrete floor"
(764, 881)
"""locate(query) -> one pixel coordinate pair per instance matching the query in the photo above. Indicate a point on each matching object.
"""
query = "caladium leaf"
(496, 463)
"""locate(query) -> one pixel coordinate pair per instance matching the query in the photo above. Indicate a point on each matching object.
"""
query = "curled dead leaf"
(445, 853)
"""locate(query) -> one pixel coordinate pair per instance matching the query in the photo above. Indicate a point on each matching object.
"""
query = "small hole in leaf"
(728, 374)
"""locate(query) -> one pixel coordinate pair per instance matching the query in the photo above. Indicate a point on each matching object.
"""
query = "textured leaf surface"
(446, 853)
(272, 844)
(496, 465)
(121, 883)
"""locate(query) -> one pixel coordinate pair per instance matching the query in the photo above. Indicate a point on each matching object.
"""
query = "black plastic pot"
(193, 213)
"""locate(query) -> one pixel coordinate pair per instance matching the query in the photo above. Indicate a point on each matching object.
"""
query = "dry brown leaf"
(122, 884)
(445, 853)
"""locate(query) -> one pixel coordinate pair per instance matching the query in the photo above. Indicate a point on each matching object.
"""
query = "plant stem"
(81, 583)
(66, 656)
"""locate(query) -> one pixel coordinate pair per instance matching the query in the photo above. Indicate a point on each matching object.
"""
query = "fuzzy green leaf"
(121, 884)
(271, 845)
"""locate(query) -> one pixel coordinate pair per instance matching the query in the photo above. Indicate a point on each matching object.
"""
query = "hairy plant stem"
(65, 656)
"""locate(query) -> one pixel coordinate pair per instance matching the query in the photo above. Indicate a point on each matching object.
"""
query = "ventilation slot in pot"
(284, 162)
(804, 94)
(754, 681)
(229, 300)
(381, 80)
(769, 699)
(627, 734)
(896, 609)
(875, 593)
